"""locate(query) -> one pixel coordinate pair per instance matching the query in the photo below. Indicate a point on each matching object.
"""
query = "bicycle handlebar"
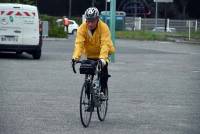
(74, 63)
(73, 66)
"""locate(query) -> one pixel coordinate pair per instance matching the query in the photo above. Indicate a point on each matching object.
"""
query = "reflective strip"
(27, 14)
(18, 14)
(10, 13)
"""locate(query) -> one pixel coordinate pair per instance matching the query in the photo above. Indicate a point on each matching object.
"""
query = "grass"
(141, 35)
(194, 35)
(149, 35)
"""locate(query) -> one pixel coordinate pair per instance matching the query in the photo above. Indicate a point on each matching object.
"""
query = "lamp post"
(112, 24)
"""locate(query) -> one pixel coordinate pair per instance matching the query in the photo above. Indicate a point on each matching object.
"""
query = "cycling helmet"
(91, 13)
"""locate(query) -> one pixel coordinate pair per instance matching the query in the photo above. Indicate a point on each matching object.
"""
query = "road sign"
(164, 1)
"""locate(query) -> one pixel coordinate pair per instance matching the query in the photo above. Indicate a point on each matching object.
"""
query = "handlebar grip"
(73, 66)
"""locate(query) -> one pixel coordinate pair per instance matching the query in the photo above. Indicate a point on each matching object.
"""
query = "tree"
(30, 2)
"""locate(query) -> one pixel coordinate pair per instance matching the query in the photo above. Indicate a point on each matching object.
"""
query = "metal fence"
(132, 23)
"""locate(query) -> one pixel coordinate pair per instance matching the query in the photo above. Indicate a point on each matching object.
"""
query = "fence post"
(168, 23)
(189, 29)
(196, 26)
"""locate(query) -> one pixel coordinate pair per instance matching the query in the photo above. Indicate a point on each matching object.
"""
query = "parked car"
(72, 27)
(162, 29)
(19, 29)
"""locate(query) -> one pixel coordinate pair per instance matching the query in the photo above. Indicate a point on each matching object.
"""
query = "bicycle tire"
(102, 109)
(85, 102)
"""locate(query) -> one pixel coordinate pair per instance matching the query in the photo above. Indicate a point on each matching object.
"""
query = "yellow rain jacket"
(95, 46)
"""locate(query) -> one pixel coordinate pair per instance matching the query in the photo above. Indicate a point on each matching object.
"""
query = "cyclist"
(93, 39)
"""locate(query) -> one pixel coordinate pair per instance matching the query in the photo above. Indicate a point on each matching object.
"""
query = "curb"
(173, 40)
(188, 42)
(55, 39)
(184, 41)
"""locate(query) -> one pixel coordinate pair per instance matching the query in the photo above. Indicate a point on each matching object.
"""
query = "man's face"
(92, 24)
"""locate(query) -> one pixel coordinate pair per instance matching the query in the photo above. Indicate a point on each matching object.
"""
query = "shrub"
(54, 29)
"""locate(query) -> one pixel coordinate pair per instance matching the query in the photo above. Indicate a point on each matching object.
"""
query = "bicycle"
(90, 97)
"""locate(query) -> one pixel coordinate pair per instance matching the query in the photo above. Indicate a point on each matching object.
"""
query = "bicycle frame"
(94, 85)
(92, 91)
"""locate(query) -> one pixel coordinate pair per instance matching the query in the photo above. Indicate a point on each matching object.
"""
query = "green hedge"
(54, 29)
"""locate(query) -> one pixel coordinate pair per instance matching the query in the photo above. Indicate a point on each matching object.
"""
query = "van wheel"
(37, 54)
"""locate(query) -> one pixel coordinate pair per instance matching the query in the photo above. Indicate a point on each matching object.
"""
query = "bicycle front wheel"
(102, 109)
(85, 105)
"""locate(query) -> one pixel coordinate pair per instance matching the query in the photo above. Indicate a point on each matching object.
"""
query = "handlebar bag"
(88, 67)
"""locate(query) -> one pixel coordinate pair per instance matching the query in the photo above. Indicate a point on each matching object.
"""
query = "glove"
(103, 62)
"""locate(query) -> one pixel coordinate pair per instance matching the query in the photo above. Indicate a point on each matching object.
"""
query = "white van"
(20, 29)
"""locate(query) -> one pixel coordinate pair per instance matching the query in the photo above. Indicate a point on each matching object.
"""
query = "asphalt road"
(154, 89)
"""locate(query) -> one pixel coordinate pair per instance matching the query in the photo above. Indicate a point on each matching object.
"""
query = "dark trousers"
(104, 78)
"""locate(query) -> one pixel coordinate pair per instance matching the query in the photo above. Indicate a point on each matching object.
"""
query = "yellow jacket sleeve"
(79, 42)
(107, 47)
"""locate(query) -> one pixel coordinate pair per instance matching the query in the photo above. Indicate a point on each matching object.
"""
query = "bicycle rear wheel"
(85, 103)
(102, 109)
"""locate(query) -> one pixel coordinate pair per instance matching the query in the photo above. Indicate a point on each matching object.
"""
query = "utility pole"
(112, 24)
(106, 5)
(70, 8)
(93, 2)
(166, 17)
(156, 15)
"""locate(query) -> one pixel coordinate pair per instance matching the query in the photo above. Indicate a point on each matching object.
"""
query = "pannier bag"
(88, 67)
